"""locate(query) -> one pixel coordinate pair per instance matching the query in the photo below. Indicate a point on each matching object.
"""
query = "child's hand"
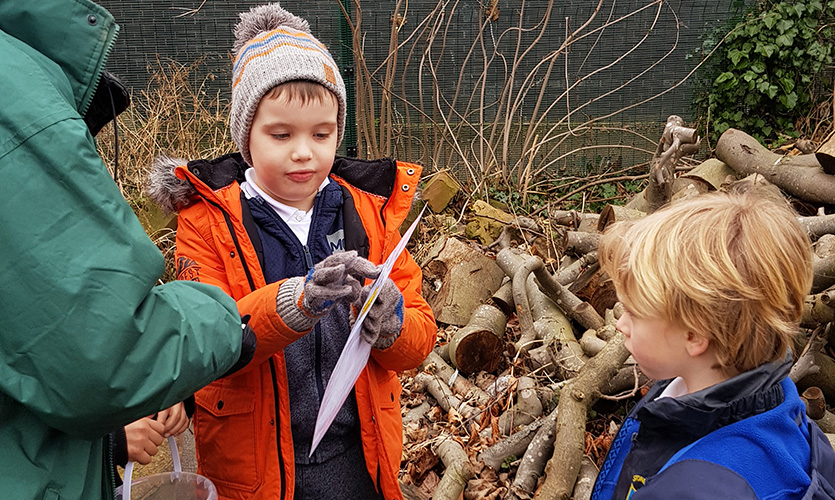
(302, 300)
(358, 267)
(175, 420)
(340, 276)
(384, 321)
(144, 437)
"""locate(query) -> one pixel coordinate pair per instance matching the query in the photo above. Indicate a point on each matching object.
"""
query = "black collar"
(699, 413)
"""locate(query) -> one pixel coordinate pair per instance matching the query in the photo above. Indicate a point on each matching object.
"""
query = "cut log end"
(477, 350)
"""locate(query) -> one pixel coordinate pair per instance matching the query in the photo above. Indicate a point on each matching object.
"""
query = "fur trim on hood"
(166, 189)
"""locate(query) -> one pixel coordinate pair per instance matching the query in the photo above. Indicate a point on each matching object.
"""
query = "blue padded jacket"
(745, 438)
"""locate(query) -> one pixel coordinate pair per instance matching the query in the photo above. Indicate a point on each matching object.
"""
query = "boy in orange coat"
(287, 213)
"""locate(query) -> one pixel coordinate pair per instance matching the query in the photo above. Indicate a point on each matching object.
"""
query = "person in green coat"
(88, 343)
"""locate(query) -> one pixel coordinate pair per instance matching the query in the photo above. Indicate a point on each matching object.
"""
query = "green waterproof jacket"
(87, 342)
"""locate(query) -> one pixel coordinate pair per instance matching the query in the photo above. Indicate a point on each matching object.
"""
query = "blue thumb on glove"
(384, 321)
(303, 300)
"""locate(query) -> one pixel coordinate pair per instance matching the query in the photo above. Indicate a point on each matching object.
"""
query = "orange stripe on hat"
(296, 33)
(256, 44)
(254, 56)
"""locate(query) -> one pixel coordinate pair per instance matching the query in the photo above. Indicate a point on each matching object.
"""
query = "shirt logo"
(187, 269)
(336, 241)
(637, 483)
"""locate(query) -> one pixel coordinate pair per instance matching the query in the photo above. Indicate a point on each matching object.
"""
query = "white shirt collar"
(298, 220)
(675, 389)
(286, 212)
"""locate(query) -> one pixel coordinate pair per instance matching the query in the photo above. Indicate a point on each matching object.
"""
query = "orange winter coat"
(242, 423)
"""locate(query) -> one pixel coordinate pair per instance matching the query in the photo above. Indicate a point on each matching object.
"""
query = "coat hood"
(76, 35)
(172, 191)
(164, 187)
(377, 177)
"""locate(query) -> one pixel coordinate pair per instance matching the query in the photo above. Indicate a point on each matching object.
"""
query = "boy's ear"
(696, 344)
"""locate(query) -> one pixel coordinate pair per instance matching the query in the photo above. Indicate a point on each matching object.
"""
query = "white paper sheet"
(356, 352)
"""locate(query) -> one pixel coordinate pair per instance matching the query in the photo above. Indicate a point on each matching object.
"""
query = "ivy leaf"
(787, 84)
(765, 49)
(772, 91)
(783, 40)
(767, 130)
(784, 24)
(800, 9)
(724, 77)
(763, 87)
(758, 67)
(736, 55)
(771, 19)
(789, 100)
(817, 51)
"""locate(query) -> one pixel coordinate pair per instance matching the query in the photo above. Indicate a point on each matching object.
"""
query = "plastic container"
(177, 485)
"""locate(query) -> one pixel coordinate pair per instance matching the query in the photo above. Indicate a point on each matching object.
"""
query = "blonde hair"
(304, 91)
(732, 267)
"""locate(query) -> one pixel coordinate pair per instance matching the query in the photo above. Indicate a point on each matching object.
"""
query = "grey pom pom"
(262, 19)
(168, 191)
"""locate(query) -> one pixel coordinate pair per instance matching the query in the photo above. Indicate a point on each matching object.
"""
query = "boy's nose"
(622, 325)
(302, 152)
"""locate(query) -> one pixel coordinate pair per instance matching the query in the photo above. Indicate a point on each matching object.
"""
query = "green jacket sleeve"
(87, 341)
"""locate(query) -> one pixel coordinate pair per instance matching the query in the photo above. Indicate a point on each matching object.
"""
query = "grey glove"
(384, 321)
(343, 268)
(303, 300)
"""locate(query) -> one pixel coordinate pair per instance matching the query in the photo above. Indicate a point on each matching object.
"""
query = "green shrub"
(767, 72)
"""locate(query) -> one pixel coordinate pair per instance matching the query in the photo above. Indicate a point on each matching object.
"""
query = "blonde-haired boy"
(713, 290)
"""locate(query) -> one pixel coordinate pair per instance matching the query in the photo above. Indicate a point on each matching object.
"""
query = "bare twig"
(187, 11)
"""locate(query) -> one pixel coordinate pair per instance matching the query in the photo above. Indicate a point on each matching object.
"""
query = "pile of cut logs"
(530, 379)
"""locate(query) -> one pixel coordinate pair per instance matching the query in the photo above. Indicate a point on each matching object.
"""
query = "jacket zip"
(308, 259)
(252, 288)
(111, 467)
(317, 336)
(278, 427)
(317, 331)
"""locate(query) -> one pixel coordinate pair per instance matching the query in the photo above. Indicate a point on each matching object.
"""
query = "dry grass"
(175, 115)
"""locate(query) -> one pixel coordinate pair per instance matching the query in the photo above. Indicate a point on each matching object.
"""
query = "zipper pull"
(308, 259)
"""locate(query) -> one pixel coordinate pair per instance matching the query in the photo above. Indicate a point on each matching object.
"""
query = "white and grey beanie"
(273, 46)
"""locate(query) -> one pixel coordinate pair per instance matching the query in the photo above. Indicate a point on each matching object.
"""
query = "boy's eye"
(280, 136)
(322, 135)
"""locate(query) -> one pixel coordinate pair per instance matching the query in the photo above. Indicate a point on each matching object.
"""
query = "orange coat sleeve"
(200, 257)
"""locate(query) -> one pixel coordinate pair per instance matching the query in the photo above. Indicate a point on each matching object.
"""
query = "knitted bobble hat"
(273, 46)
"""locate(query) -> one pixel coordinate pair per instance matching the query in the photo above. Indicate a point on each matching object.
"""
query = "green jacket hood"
(75, 34)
